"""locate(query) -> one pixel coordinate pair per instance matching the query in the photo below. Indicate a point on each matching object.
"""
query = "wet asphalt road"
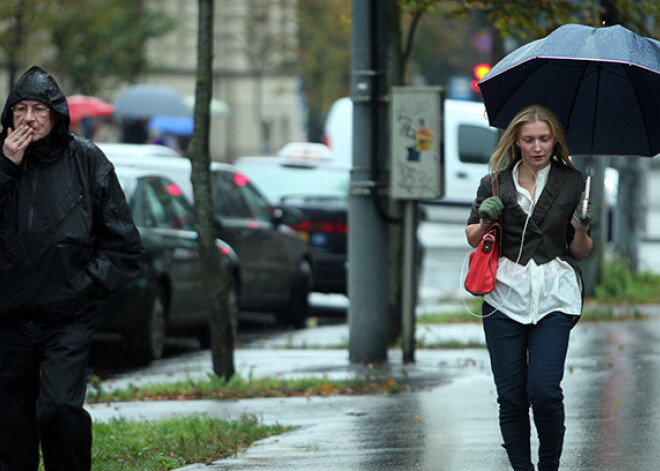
(448, 420)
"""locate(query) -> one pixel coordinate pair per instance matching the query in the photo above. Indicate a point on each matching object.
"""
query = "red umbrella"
(83, 106)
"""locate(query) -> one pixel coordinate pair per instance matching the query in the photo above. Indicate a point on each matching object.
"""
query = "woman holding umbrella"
(537, 298)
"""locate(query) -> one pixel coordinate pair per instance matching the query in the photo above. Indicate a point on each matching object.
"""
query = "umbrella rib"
(641, 110)
(593, 121)
(575, 94)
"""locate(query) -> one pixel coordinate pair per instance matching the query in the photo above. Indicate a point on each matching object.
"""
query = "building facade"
(255, 52)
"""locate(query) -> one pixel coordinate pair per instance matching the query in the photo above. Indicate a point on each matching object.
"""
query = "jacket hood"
(37, 84)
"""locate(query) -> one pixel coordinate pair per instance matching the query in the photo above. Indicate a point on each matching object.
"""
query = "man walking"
(66, 239)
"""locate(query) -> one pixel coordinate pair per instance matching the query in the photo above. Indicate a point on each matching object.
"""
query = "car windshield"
(278, 181)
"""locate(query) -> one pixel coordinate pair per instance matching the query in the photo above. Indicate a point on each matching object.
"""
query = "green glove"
(491, 209)
(590, 212)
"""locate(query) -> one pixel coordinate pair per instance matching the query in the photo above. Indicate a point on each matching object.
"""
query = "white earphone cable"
(520, 251)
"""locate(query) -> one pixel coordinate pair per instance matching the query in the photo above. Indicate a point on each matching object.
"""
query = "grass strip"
(214, 387)
(620, 284)
(169, 444)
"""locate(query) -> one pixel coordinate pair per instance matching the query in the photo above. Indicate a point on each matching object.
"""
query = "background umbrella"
(147, 100)
(176, 125)
(83, 106)
(603, 84)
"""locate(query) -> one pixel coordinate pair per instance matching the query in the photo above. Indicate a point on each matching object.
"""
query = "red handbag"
(482, 266)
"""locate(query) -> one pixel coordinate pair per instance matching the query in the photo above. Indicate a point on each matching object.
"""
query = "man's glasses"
(37, 110)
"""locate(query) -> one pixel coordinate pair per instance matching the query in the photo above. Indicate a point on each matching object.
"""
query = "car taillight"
(174, 189)
(240, 179)
(326, 227)
(223, 250)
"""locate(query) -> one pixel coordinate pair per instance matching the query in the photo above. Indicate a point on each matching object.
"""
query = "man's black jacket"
(67, 237)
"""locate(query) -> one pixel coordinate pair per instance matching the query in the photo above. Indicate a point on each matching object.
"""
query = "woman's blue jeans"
(528, 366)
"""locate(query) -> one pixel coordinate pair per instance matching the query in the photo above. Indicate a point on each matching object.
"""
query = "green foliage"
(417, 7)
(19, 19)
(98, 39)
(619, 283)
(610, 313)
(88, 41)
(324, 56)
(455, 317)
(164, 445)
(435, 38)
(216, 387)
(528, 19)
(458, 314)
(641, 16)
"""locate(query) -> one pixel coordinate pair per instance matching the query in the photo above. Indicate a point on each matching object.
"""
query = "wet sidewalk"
(448, 421)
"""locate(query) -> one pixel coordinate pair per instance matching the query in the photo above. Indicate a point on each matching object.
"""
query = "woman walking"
(537, 298)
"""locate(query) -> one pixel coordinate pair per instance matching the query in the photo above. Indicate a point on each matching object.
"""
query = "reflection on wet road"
(615, 396)
(448, 423)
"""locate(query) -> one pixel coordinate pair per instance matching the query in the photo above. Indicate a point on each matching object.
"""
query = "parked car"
(168, 293)
(276, 271)
(306, 151)
(319, 189)
(133, 150)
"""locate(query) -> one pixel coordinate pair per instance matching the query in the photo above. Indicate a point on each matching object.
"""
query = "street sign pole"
(416, 156)
(367, 236)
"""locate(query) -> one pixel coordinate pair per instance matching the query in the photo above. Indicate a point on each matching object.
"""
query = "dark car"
(319, 189)
(276, 272)
(168, 294)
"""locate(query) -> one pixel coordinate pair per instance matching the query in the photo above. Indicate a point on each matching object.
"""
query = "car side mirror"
(219, 225)
(423, 214)
(287, 216)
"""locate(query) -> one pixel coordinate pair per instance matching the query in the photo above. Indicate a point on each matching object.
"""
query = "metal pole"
(367, 236)
(631, 208)
(408, 281)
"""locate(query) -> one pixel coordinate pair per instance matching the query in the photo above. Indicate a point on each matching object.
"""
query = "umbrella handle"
(585, 203)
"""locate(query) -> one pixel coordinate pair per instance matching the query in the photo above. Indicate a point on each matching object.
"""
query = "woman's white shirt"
(528, 293)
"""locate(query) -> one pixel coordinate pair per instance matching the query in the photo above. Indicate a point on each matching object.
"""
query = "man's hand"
(16, 142)
(491, 209)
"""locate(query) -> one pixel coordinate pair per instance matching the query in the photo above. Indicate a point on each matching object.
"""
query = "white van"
(468, 144)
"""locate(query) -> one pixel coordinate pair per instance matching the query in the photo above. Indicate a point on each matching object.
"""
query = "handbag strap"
(495, 183)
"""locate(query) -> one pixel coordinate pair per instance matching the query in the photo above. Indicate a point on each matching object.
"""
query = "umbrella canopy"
(176, 125)
(146, 100)
(83, 106)
(603, 84)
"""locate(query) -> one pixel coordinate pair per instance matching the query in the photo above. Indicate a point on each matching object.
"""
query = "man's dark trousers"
(43, 378)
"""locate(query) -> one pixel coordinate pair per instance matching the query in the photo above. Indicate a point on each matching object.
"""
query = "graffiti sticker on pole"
(416, 143)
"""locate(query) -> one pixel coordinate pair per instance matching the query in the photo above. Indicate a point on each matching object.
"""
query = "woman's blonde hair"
(507, 151)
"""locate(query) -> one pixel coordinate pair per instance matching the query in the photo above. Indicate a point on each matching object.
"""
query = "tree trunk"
(395, 77)
(215, 277)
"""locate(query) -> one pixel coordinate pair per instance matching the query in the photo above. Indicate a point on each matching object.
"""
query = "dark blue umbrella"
(603, 84)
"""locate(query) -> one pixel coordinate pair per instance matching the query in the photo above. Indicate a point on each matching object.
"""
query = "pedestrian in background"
(538, 293)
(66, 239)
